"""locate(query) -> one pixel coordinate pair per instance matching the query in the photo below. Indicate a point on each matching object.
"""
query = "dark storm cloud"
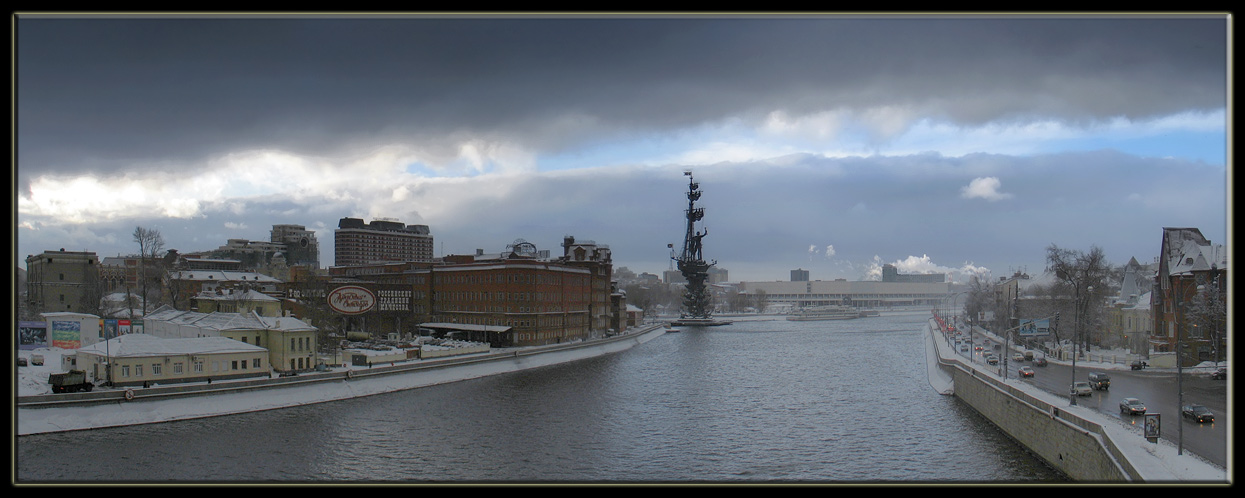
(108, 93)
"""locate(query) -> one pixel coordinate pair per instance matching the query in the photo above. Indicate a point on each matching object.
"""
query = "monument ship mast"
(692, 265)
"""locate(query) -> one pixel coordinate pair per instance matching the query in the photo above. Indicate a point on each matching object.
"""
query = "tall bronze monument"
(696, 299)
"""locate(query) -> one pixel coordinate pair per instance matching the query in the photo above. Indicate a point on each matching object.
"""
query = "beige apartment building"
(143, 360)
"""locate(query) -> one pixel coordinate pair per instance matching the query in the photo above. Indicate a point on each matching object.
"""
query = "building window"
(255, 363)
(138, 370)
(155, 369)
(177, 368)
(244, 364)
(198, 366)
(125, 370)
(235, 364)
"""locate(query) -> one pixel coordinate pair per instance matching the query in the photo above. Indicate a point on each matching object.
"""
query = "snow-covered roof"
(142, 345)
(465, 326)
(248, 295)
(212, 321)
(1188, 251)
(284, 323)
(222, 276)
(67, 314)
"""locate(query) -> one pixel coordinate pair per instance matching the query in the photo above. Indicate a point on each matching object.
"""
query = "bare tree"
(1088, 276)
(150, 244)
(980, 298)
(1208, 312)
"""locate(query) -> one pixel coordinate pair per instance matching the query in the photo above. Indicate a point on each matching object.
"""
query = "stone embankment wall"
(1077, 447)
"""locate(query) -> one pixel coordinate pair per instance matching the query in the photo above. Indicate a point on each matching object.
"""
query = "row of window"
(157, 369)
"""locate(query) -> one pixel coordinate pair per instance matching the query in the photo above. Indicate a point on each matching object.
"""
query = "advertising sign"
(351, 300)
(1033, 328)
(109, 329)
(32, 335)
(1152, 426)
(66, 334)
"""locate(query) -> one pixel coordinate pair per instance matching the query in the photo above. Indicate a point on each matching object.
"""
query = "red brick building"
(1187, 261)
(520, 297)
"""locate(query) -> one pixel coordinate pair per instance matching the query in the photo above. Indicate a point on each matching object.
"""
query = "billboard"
(32, 335)
(1033, 328)
(66, 334)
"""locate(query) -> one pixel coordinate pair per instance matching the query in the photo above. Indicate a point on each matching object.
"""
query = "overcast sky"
(834, 144)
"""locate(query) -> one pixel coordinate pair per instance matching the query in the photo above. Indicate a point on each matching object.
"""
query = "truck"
(70, 382)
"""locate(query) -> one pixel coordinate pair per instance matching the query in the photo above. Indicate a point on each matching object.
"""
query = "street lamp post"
(1180, 319)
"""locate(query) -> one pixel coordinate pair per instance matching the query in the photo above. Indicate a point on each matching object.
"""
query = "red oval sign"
(351, 300)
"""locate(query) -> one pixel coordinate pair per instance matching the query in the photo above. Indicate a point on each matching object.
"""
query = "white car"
(1082, 389)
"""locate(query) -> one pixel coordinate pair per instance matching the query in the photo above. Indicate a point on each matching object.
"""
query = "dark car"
(1026, 372)
(1099, 381)
(1039, 361)
(1220, 374)
(1197, 412)
(21, 362)
(1138, 365)
(1132, 406)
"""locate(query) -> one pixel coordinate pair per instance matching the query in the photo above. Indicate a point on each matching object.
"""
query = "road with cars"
(1156, 388)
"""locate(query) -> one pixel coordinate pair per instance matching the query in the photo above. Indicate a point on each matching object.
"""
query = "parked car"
(1132, 406)
(1081, 388)
(1026, 372)
(1220, 374)
(1039, 361)
(1197, 412)
(993, 360)
(1099, 381)
(1018, 357)
(21, 362)
(1138, 365)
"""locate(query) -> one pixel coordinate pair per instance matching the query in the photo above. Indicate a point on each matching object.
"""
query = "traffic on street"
(1104, 387)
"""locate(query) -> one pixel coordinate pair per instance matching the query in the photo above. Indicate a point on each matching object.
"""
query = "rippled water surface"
(755, 401)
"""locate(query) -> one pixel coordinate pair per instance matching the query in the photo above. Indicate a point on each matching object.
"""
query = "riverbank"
(111, 408)
(1020, 409)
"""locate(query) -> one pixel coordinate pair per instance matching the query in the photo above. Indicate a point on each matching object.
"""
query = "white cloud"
(986, 188)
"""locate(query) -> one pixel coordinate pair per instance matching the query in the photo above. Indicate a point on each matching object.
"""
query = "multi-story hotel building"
(357, 243)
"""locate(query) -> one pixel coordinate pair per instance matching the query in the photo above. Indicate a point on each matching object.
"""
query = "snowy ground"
(32, 380)
(1157, 462)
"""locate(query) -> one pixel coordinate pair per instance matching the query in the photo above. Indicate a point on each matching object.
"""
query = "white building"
(142, 359)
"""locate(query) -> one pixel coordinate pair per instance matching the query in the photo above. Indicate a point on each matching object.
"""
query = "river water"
(755, 401)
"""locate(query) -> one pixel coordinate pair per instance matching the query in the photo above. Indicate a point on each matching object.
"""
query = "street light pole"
(1179, 373)
(1076, 330)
